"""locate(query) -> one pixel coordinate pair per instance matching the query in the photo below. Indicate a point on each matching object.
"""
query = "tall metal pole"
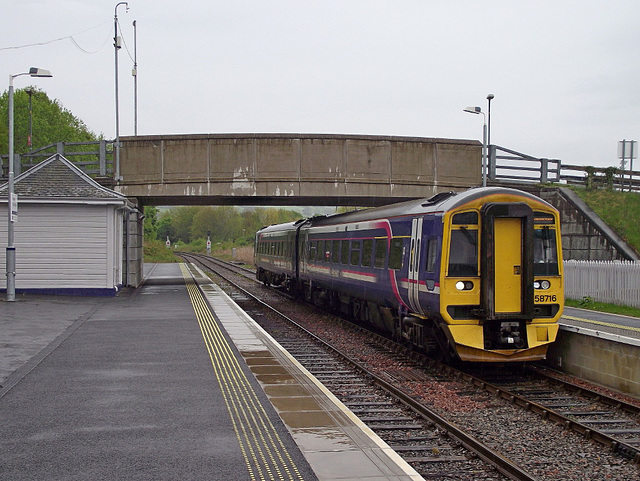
(12, 200)
(490, 97)
(11, 250)
(484, 153)
(135, 79)
(30, 139)
(116, 44)
(631, 166)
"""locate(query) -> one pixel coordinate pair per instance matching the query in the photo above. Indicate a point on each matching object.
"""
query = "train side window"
(335, 252)
(463, 253)
(381, 253)
(367, 251)
(313, 249)
(344, 252)
(395, 254)
(432, 254)
(321, 251)
(355, 252)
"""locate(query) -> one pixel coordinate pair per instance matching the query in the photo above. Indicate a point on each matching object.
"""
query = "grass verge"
(589, 303)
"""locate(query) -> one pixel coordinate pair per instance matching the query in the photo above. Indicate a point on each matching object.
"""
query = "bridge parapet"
(294, 169)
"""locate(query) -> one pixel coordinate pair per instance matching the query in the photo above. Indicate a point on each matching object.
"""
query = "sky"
(565, 73)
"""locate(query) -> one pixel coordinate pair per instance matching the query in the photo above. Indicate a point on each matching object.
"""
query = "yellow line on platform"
(264, 453)
(600, 323)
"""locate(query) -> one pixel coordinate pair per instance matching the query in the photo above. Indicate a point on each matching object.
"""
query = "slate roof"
(57, 178)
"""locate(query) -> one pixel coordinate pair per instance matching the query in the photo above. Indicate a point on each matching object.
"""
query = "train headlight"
(464, 285)
(541, 285)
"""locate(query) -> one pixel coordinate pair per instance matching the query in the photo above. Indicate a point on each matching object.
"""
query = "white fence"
(604, 281)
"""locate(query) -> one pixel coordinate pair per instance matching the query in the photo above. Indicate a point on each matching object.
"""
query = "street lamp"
(116, 44)
(12, 199)
(478, 110)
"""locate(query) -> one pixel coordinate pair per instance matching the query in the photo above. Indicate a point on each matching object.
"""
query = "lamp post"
(490, 97)
(134, 72)
(117, 46)
(29, 91)
(12, 201)
(478, 110)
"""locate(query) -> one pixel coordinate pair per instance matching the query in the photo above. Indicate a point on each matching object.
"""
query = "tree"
(165, 227)
(150, 222)
(51, 122)
(225, 223)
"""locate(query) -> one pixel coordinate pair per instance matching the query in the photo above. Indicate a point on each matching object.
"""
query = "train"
(473, 276)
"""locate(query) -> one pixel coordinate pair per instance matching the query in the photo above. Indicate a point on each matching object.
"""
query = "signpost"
(627, 149)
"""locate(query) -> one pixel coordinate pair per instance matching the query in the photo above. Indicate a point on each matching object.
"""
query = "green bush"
(157, 251)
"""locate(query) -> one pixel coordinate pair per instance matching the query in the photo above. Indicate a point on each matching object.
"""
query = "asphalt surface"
(109, 389)
(586, 314)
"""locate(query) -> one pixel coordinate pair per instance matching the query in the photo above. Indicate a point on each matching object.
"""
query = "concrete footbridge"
(293, 169)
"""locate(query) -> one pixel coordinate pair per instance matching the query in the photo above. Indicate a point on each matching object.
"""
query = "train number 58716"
(544, 298)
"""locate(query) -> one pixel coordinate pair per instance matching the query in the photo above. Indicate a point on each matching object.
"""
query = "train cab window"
(463, 253)
(344, 252)
(335, 252)
(355, 253)
(432, 255)
(367, 251)
(395, 254)
(465, 218)
(381, 253)
(545, 252)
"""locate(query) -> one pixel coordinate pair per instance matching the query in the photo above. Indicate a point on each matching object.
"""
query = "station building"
(72, 235)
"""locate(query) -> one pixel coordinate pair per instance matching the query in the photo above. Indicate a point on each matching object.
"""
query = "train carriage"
(275, 254)
(475, 275)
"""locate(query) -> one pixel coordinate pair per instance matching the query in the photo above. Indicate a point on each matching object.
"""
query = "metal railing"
(94, 158)
(507, 165)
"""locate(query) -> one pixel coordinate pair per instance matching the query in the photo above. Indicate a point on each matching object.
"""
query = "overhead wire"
(126, 47)
(67, 37)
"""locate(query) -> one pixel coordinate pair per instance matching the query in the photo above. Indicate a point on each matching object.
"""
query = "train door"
(507, 261)
(508, 264)
(413, 281)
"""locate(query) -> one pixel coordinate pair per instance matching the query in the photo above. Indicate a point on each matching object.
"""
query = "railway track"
(453, 397)
(610, 421)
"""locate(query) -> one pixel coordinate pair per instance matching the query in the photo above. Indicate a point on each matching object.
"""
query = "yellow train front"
(501, 287)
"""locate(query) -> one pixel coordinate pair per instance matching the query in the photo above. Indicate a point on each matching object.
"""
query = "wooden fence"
(604, 281)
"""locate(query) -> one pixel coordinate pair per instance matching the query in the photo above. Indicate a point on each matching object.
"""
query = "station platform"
(168, 381)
